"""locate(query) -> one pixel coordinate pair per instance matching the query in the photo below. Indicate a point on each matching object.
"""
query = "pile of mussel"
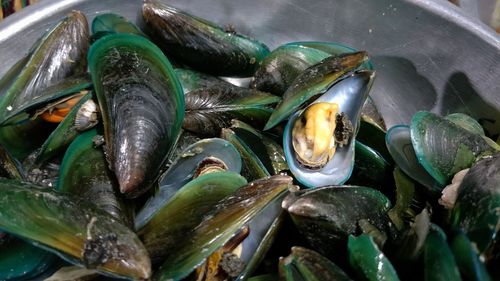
(146, 153)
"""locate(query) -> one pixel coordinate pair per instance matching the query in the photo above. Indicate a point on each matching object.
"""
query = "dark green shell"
(327, 216)
(22, 139)
(19, 260)
(439, 263)
(61, 53)
(266, 149)
(308, 265)
(278, 70)
(47, 99)
(185, 210)
(193, 80)
(113, 23)
(476, 208)
(220, 224)
(142, 107)
(72, 228)
(253, 168)
(201, 44)
(313, 82)
(210, 109)
(370, 169)
(444, 148)
(84, 172)
(63, 135)
(368, 261)
(467, 258)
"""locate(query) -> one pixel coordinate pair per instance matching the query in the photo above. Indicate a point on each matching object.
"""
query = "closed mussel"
(72, 228)
(199, 43)
(142, 107)
(444, 148)
(327, 216)
(60, 54)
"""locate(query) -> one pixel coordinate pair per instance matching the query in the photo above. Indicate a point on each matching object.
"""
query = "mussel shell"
(49, 98)
(21, 140)
(466, 122)
(370, 114)
(439, 263)
(278, 70)
(142, 106)
(63, 135)
(220, 224)
(84, 172)
(210, 109)
(185, 210)
(10, 167)
(444, 148)
(409, 201)
(398, 141)
(327, 216)
(61, 53)
(331, 48)
(182, 171)
(368, 261)
(350, 93)
(371, 169)
(193, 80)
(253, 168)
(477, 205)
(72, 228)
(264, 228)
(373, 136)
(199, 43)
(467, 258)
(313, 82)
(20, 260)
(112, 23)
(265, 148)
(305, 264)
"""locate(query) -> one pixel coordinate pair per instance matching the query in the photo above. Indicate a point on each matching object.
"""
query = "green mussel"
(199, 43)
(142, 107)
(72, 228)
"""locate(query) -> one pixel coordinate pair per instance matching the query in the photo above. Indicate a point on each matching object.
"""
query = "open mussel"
(185, 168)
(398, 141)
(319, 141)
(169, 224)
(83, 116)
(60, 54)
(220, 224)
(142, 106)
(199, 43)
(280, 68)
(313, 82)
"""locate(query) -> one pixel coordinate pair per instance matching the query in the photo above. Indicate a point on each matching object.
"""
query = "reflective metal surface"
(429, 55)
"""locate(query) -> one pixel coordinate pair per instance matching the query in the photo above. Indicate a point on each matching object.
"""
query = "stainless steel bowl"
(428, 54)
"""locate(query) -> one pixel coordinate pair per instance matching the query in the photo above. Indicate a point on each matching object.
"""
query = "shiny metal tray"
(428, 54)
